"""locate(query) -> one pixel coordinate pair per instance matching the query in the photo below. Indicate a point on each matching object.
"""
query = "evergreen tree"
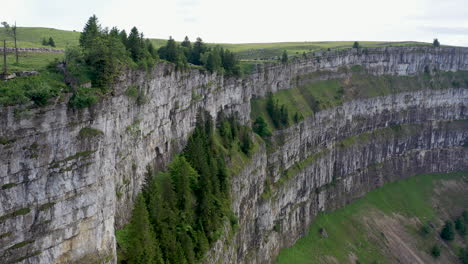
(436, 43)
(123, 37)
(186, 43)
(246, 143)
(356, 45)
(187, 247)
(51, 42)
(184, 178)
(261, 127)
(45, 42)
(214, 61)
(198, 48)
(202, 243)
(230, 63)
(284, 116)
(173, 53)
(186, 46)
(143, 247)
(460, 226)
(298, 117)
(284, 57)
(135, 45)
(90, 32)
(151, 50)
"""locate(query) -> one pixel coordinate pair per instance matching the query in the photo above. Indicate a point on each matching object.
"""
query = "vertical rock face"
(337, 156)
(68, 177)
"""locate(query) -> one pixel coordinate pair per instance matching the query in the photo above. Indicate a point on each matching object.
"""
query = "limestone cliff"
(68, 177)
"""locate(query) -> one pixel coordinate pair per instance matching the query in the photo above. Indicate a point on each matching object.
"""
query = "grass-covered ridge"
(351, 231)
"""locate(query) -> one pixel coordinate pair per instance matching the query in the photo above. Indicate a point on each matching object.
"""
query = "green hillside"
(29, 37)
(370, 230)
(32, 37)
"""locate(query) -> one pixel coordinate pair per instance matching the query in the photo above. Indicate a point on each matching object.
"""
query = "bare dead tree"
(11, 30)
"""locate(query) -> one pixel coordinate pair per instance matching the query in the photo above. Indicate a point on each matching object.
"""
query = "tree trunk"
(16, 47)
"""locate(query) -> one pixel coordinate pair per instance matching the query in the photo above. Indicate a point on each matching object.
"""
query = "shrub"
(84, 97)
(41, 94)
(132, 91)
(38, 88)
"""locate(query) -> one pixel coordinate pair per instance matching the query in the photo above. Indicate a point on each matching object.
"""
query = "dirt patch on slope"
(398, 236)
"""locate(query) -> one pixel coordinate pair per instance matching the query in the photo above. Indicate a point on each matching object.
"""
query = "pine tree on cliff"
(284, 57)
(184, 178)
(214, 62)
(90, 32)
(143, 247)
(186, 43)
(198, 48)
(123, 37)
(356, 45)
(134, 45)
(187, 48)
(436, 43)
(261, 127)
(152, 51)
(169, 52)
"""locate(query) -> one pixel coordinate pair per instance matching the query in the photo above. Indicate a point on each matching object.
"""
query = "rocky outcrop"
(35, 50)
(68, 177)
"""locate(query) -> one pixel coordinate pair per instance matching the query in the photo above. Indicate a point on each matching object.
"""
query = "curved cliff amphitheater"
(396, 112)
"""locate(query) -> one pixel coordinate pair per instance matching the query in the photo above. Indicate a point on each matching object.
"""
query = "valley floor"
(398, 223)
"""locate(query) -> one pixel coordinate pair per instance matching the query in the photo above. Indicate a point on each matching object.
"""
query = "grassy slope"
(320, 95)
(31, 61)
(32, 37)
(350, 235)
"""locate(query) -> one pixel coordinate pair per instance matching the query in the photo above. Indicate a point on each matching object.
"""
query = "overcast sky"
(239, 21)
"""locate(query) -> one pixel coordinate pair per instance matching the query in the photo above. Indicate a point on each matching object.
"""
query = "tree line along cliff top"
(97, 55)
(31, 37)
